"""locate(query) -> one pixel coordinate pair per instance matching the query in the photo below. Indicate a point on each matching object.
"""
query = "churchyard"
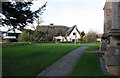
(31, 52)
(29, 59)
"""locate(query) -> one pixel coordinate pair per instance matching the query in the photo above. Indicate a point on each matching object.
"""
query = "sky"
(87, 15)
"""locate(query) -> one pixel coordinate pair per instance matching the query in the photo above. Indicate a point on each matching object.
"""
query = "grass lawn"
(90, 44)
(92, 48)
(21, 59)
(88, 65)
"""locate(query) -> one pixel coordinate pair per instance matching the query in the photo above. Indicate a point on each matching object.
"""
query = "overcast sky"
(87, 15)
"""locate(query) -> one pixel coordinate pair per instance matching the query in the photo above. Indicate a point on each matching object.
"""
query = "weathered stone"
(103, 45)
(115, 15)
(111, 40)
(111, 56)
(114, 32)
(114, 70)
(107, 17)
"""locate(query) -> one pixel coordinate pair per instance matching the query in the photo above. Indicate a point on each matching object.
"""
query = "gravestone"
(111, 38)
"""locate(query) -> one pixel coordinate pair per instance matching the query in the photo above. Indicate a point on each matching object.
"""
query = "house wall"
(61, 38)
(71, 36)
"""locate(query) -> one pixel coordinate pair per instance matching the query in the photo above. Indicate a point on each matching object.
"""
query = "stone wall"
(119, 14)
(107, 17)
(114, 70)
(111, 39)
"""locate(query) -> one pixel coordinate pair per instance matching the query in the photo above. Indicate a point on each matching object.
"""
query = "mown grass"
(90, 44)
(88, 65)
(92, 48)
(26, 59)
(31, 59)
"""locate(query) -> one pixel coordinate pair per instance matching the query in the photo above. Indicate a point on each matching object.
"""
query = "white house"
(72, 35)
(59, 38)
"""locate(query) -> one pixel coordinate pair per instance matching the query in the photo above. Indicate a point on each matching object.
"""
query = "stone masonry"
(111, 38)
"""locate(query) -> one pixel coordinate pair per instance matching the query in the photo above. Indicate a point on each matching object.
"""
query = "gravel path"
(64, 65)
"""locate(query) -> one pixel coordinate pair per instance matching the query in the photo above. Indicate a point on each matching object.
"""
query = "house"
(10, 36)
(73, 34)
(61, 33)
(59, 39)
(99, 37)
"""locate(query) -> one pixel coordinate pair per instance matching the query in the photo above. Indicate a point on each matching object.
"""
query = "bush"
(81, 39)
(15, 44)
(30, 35)
(47, 37)
(38, 36)
(25, 36)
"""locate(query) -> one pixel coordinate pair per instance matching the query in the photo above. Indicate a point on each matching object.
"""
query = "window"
(74, 33)
(73, 40)
(58, 40)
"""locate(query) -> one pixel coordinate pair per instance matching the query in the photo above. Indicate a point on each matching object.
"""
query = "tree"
(91, 37)
(82, 34)
(30, 35)
(48, 37)
(38, 21)
(34, 35)
(38, 35)
(25, 36)
(18, 14)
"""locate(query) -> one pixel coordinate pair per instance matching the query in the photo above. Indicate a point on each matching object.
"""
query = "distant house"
(10, 35)
(99, 37)
(61, 33)
(73, 33)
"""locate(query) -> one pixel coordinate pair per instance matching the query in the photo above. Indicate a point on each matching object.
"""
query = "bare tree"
(37, 22)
